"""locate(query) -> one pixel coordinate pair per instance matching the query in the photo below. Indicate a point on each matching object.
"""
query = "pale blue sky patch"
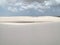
(3, 2)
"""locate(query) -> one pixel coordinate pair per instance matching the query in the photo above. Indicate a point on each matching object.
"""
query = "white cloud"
(15, 5)
(25, 6)
(52, 2)
(21, 9)
(18, 4)
(58, 1)
(12, 9)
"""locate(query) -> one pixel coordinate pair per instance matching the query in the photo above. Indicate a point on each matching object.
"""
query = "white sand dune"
(37, 34)
(24, 20)
(34, 33)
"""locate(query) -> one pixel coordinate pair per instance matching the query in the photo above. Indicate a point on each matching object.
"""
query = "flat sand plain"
(31, 34)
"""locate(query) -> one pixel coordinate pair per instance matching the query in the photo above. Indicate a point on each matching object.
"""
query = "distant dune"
(31, 19)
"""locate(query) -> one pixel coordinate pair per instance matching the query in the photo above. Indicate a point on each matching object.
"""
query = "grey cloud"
(11, 1)
(29, 1)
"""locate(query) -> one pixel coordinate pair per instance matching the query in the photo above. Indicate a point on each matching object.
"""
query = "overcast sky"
(29, 7)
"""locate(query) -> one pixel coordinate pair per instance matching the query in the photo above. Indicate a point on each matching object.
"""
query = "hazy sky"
(29, 7)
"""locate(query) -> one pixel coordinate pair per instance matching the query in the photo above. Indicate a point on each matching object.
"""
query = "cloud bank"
(21, 5)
